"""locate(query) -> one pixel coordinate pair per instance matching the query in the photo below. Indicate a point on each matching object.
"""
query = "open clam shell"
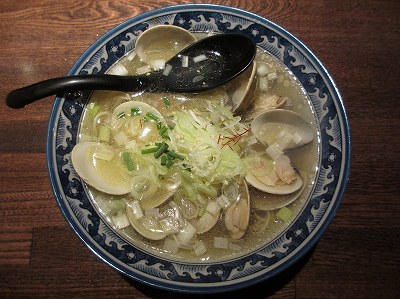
(237, 216)
(269, 202)
(275, 189)
(267, 125)
(106, 176)
(243, 96)
(138, 225)
(151, 44)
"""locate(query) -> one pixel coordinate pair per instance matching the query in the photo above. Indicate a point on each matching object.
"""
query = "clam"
(269, 202)
(99, 166)
(134, 107)
(243, 96)
(276, 194)
(262, 174)
(263, 102)
(237, 214)
(262, 183)
(170, 183)
(162, 42)
(138, 131)
(283, 127)
(148, 227)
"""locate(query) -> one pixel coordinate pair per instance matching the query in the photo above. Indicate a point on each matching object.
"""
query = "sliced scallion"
(285, 214)
(163, 160)
(152, 116)
(163, 130)
(121, 115)
(93, 109)
(163, 148)
(149, 150)
(128, 161)
(169, 163)
(175, 155)
(135, 111)
(104, 133)
(166, 102)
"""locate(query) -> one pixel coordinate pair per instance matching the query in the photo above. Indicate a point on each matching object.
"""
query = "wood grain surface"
(357, 257)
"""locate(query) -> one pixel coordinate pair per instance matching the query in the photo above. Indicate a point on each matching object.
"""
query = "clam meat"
(237, 215)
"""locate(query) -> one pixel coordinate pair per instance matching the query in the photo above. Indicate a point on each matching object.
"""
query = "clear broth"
(305, 160)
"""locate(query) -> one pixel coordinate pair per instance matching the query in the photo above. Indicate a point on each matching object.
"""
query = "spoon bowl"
(212, 61)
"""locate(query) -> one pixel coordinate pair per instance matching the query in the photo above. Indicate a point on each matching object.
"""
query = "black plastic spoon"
(212, 61)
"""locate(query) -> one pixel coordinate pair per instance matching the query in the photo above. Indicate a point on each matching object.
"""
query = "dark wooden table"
(358, 256)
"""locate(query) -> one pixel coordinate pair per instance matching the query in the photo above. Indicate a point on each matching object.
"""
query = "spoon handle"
(23, 96)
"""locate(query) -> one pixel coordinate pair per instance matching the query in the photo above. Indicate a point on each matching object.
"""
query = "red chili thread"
(234, 138)
(219, 138)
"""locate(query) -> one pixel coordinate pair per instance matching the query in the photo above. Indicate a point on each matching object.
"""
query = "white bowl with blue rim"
(271, 258)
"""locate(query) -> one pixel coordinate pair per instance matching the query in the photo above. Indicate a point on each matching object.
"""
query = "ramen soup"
(194, 177)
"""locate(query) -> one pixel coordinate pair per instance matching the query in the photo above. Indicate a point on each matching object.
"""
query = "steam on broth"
(185, 175)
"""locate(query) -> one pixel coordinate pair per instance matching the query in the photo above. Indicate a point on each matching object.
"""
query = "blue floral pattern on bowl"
(261, 264)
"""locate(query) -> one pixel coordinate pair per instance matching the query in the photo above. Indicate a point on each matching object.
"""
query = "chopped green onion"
(206, 221)
(165, 136)
(152, 116)
(175, 155)
(121, 220)
(136, 209)
(110, 207)
(186, 233)
(169, 163)
(285, 214)
(149, 150)
(104, 133)
(191, 193)
(201, 212)
(163, 130)
(93, 109)
(223, 201)
(159, 125)
(163, 148)
(207, 190)
(128, 161)
(199, 248)
(221, 242)
(135, 111)
(166, 102)
(164, 160)
(121, 115)
(213, 208)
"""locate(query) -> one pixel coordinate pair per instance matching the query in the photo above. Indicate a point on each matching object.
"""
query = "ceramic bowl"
(275, 255)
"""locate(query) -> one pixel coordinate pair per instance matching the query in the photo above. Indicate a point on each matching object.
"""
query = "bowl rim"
(298, 253)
